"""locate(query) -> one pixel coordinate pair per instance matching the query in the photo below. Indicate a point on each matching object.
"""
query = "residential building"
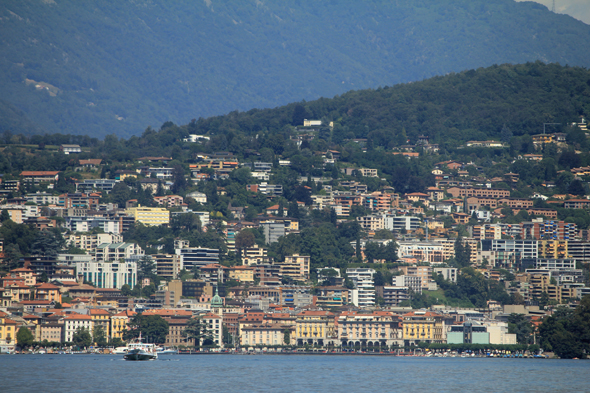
(460, 192)
(406, 281)
(38, 177)
(378, 329)
(266, 334)
(315, 327)
(364, 294)
(510, 252)
(89, 185)
(401, 223)
(107, 252)
(448, 273)
(113, 274)
(300, 264)
(149, 215)
(119, 323)
(273, 230)
(392, 295)
(422, 326)
(76, 321)
(192, 257)
(214, 325)
(168, 265)
(332, 296)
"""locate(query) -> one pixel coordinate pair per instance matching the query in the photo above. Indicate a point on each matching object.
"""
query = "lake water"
(289, 373)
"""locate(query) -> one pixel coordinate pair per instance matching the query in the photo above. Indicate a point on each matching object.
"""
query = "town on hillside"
(216, 250)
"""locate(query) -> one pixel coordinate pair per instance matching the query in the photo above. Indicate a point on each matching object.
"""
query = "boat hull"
(136, 355)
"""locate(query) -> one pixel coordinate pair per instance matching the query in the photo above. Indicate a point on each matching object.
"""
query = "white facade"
(108, 274)
(197, 196)
(412, 282)
(73, 323)
(399, 223)
(117, 251)
(197, 257)
(363, 280)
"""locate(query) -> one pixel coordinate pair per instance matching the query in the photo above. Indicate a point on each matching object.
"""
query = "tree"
(4, 216)
(153, 328)
(99, 335)
(287, 337)
(518, 324)
(145, 267)
(24, 337)
(48, 243)
(197, 330)
(372, 251)
(505, 134)
(243, 240)
(180, 183)
(82, 338)
(576, 187)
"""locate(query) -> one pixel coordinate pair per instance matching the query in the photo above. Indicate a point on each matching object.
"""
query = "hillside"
(120, 66)
(470, 105)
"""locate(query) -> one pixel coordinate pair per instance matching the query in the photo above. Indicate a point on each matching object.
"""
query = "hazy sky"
(579, 9)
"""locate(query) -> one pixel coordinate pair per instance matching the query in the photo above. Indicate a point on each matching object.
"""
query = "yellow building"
(149, 215)
(556, 249)
(7, 331)
(422, 326)
(101, 318)
(119, 323)
(242, 273)
(26, 273)
(302, 265)
(315, 327)
(47, 291)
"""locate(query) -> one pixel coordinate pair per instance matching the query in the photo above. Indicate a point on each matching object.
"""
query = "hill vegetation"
(115, 67)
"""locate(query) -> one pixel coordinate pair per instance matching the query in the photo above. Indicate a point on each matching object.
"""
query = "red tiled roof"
(39, 173)
(78, 316)
(46, 285)
(98, 311)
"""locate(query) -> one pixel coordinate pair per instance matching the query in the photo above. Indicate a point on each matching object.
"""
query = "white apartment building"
(75, 322)
(371, 223)
(91, 242)
(108, 274)
(364, 296)
(412, 282)
(197, 257)
(117, 251)
(399, 223)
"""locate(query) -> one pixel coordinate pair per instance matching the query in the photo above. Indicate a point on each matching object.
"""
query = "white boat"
(120, 350)
(141, 351)
(166, 351)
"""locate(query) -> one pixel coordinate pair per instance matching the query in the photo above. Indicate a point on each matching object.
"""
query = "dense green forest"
(114, 67)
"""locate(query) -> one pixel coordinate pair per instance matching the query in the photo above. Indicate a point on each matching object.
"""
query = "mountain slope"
(119, 66)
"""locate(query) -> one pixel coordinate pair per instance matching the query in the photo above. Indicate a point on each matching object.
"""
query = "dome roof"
(216, 301)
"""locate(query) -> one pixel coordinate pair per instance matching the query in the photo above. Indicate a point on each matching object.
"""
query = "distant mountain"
(103, 67)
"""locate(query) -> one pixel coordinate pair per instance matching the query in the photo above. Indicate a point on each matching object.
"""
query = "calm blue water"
(288, 373)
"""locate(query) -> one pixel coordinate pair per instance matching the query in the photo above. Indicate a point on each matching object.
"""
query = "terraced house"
(315, 328)
(422, 326)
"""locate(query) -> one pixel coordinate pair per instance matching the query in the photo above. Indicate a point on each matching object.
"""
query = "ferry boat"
(120, 350)
(141, 351)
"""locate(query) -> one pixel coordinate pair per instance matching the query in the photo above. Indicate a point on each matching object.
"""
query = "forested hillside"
(471, 105)
(115, 67)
